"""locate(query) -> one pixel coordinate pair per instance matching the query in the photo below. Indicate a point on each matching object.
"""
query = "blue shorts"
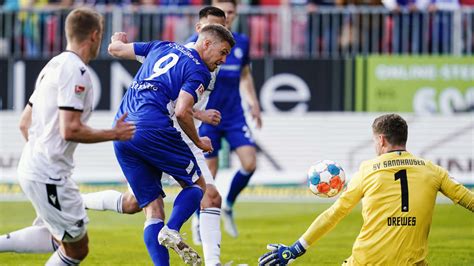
(148, 155)
(236, 134)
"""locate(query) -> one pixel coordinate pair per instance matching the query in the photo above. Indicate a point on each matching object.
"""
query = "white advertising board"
(289, 145)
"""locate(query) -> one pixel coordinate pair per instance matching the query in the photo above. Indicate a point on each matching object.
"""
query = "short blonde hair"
(81, 22)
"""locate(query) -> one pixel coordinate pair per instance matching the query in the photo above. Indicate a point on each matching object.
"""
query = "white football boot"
(172, 239)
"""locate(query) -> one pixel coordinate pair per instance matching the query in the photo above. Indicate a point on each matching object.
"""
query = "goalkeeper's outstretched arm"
(281, 255)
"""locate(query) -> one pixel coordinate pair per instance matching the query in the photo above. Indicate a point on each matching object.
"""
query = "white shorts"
(59, 207)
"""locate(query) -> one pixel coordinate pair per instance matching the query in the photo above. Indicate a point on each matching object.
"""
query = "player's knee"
(212, 198)
(249, 166)
(130, 205)
(77, 250)
(82, 252)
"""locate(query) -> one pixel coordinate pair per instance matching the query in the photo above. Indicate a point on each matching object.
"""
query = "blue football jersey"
(167, 69)
(226, 95)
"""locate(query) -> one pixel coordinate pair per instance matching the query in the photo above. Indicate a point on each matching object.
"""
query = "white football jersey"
(64, 83)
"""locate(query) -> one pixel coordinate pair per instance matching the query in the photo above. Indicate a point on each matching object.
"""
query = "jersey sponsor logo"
(83, 70)
(142, 86)
(230, 67)
(401, 221)
(78, 89)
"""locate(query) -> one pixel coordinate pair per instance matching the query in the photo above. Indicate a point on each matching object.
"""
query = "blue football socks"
(239, 182)
(185, 204)
(158, 253)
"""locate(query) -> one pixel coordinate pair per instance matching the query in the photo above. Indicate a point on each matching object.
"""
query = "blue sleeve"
(143, 48)
(196, 84)
(193, 38)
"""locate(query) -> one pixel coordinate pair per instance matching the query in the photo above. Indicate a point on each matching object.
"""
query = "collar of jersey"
(74, 54)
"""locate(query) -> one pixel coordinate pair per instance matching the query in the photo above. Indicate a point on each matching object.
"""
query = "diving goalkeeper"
(398, 192)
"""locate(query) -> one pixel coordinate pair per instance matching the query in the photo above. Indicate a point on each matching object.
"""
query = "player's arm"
(458, 193)
(72, 128)
(248, 87)
(325, 222)
(120, 48)
(208, 116)
(25, 120)
(184, 115)
(71, 101)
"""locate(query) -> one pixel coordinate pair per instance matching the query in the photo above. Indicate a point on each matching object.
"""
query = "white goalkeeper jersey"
(64, 83)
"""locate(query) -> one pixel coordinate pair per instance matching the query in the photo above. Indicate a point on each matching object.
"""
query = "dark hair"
(81, 22)
(211, 11)
(393, 127)
(234, 2)
(220, 32)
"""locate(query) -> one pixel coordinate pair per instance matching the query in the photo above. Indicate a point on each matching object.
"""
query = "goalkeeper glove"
(281, 255)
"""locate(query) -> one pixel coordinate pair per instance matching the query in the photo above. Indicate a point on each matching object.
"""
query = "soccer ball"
(326, 178)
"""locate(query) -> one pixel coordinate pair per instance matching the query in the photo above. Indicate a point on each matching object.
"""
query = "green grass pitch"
(117, 239)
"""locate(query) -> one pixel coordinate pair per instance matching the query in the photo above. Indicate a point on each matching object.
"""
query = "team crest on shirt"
(78, 89)
(200, 90)
(238, 52)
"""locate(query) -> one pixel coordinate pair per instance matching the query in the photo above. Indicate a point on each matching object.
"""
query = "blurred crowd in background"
(312, 5)
(282, 28)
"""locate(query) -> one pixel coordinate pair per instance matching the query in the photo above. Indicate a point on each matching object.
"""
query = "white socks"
(33, 239)
(209, 225)
(60, 259)
(110, 200)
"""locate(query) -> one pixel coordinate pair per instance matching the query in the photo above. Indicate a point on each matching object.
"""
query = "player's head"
(390, 133)
(84, 28)
(230, 9)
(214, 44)
(210, 15)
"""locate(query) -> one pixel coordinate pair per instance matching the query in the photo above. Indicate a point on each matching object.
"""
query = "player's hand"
(119, 36)
(280, 254)
(255, 112)
(211, 117)
(124, 130)
(205, 144)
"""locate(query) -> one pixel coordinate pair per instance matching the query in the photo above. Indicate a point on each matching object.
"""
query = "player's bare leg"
(130, 203)
(71, 252)
(248, 157)
(155, 216)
